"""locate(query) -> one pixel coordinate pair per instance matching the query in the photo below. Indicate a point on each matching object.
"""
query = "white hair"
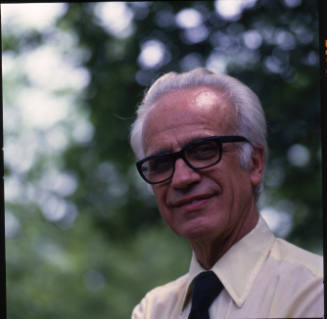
(250, 119)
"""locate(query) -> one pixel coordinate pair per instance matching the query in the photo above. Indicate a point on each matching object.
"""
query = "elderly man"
(200, 140)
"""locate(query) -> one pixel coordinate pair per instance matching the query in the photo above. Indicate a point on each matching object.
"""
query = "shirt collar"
(239, 266)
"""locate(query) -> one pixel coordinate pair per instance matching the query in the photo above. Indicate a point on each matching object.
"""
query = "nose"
(184, 176)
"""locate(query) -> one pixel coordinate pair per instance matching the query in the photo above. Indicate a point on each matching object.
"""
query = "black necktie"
(206, 287)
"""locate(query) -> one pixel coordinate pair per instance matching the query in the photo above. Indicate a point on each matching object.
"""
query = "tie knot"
(206, 287)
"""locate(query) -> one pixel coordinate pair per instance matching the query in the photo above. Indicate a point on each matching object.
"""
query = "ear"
(257, 165)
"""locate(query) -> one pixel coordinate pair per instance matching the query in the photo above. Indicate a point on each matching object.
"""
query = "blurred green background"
(83, 236)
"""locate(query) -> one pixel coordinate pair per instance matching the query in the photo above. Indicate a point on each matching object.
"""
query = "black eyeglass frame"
(180, 154)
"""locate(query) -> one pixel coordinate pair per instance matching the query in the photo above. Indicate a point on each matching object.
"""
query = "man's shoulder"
(297, 257)
(161, 299)
(295, 279)
(174, 287)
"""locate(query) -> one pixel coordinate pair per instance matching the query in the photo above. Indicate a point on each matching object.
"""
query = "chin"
(198, 232)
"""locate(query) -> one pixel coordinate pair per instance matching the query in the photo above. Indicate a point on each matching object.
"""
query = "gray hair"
(250, 120)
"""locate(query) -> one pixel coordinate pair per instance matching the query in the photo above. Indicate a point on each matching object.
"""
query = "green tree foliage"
(275, 54)
(117, 248)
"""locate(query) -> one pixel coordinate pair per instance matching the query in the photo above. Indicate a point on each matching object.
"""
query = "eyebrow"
(160, 153)
(164, 152)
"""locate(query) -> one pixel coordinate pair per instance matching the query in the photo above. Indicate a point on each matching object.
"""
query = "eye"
(160, 164)
(203, 151)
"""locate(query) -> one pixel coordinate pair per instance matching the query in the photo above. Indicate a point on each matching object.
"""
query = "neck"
(209, 251)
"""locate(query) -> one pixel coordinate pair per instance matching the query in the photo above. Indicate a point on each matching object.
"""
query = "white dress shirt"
(263, 277)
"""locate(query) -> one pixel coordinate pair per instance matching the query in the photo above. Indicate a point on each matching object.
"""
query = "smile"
(194, 202)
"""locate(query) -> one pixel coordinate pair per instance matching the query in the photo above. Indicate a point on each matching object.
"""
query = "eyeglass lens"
(197, 156)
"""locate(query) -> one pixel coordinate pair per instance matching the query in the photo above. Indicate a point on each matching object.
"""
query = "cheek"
(160, 196)
(241, 191)
(234, 183)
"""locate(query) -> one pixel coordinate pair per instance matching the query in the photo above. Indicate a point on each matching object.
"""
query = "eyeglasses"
(198, 154)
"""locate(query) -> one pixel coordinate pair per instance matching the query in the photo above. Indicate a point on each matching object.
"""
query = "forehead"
(189, 113)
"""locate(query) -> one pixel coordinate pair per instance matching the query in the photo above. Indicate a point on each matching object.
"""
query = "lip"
(193, 202)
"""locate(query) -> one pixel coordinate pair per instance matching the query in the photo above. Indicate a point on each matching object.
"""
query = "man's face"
(212, 203)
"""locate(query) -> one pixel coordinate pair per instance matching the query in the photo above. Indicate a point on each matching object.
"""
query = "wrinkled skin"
(214, 207)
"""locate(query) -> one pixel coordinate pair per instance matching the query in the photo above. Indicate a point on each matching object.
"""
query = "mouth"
(193, 202)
